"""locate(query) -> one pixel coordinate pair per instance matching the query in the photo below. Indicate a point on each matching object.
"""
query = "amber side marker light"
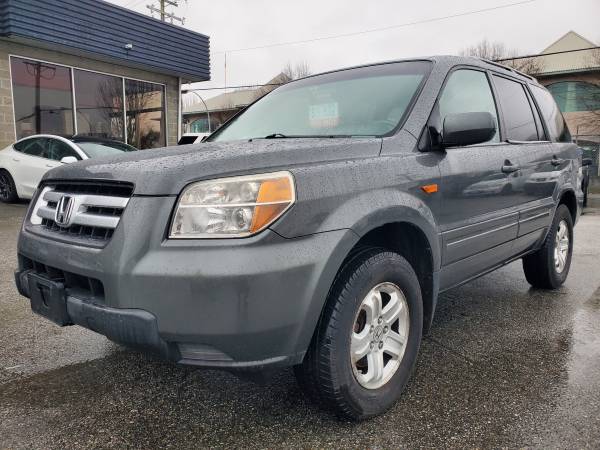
(274, 197)
(430, 188)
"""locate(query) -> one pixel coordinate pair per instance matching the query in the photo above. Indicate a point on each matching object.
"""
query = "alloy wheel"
(5, 187)
(379, 336)
(561, 247)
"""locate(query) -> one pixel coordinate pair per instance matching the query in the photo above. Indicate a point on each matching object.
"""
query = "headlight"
(232, 207)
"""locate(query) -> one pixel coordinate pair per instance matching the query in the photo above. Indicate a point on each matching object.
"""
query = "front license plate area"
(48, 299)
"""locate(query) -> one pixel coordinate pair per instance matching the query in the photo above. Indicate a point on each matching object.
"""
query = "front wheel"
(548, 267)
(367, 341)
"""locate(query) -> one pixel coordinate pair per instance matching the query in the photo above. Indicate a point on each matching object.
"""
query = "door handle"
(557, 161)
(16, 159)
(50, 165)
(509, 168)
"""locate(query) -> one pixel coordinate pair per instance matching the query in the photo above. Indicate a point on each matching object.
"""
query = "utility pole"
(164, 15)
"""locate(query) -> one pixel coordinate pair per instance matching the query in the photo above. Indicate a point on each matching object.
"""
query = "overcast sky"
(235, 24)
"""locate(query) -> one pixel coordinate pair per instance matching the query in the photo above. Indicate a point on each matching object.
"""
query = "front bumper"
(241, 303)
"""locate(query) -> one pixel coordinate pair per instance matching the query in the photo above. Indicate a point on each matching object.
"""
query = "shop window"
(144, 103)
(573, 96)
(99, 105)
(43, 98)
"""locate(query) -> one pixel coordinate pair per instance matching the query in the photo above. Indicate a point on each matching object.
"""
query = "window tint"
(538, 120)
(554, 120)
(572, 96)
(99, 104)
(516, 110)
(57, 150)
(467, 91)
(33, 147)
(42, 97)
(145, 105)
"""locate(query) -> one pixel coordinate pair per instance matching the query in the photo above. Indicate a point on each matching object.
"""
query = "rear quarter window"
(555, 121)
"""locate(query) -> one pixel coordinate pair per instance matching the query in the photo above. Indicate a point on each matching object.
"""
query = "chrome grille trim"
(91, 216)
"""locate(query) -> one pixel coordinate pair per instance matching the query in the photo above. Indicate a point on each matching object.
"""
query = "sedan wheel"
(8, 192)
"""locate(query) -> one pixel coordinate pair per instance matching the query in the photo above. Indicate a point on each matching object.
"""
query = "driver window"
(467, 91)
(57, 150)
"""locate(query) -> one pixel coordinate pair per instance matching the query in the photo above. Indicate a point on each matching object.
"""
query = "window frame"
(435, 109)
(549, 137)
(68, 144)
(527, 97)
(74, 99)
(77, 150)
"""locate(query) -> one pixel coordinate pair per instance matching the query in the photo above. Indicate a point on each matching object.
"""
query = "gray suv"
(316, 228)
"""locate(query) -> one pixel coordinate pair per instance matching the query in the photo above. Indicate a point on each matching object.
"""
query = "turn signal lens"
(232, 207)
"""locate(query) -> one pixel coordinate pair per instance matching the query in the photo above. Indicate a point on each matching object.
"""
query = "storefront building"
(87, 67)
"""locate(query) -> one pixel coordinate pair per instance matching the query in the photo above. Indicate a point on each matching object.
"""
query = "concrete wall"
(7, 129)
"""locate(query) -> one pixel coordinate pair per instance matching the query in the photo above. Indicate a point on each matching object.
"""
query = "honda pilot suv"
(317, 228)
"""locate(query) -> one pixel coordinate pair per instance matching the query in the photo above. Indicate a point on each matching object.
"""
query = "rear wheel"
(549, 266)
(368, 339)
(8, 191)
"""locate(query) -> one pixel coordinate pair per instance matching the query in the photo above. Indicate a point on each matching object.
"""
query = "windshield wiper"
(276, 136)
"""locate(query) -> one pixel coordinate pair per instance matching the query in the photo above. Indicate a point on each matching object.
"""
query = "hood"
(165, 171)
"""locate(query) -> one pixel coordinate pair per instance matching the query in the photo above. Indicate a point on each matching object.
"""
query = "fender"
(387, 207)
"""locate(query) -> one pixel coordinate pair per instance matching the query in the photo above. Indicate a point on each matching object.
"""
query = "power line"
(375, 30)
(164, 15)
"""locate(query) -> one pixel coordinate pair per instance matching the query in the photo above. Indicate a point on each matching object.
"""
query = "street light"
(204, 103)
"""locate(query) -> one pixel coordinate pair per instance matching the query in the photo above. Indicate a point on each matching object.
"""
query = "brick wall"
(7, 130)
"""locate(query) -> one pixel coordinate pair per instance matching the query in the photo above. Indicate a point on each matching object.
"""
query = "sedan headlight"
(232, 207)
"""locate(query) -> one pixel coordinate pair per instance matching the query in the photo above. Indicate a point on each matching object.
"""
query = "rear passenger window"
(554, 120)
(467, 91)
(516, 110)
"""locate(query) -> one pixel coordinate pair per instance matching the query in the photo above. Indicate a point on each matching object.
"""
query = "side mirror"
(587, 162)
(468, 129)
(68, 160)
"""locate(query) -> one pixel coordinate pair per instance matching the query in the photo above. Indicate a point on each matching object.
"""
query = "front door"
(481, 187)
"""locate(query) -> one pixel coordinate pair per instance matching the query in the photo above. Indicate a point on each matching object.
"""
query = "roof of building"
(570, 53)
(102, 31)
(231, 100)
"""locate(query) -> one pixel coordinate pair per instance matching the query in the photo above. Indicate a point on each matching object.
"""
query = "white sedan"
(24, 163)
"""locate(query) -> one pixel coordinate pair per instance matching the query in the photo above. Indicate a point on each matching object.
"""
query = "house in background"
(222, 107)
(570, 69)
(92, 68)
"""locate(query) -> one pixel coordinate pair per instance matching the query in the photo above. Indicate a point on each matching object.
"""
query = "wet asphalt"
(504, 366)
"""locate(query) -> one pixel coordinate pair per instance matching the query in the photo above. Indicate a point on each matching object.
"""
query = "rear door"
(481, 186)
(523, 129)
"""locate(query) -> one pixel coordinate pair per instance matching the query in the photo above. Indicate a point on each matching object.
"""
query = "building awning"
(107, 32)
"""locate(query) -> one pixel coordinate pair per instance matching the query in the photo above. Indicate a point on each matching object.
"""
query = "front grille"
(77, 285)
(94, 188)
(89, 212)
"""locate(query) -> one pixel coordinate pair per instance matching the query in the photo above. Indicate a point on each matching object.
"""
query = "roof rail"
(510, 69)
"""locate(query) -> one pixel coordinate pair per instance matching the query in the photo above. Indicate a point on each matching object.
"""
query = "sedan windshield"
(367, 101)
(97, 149)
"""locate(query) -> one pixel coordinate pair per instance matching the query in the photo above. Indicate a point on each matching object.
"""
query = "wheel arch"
(569, 199)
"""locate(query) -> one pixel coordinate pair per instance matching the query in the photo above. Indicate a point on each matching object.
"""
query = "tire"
(8, 190)
(351, 389)
(542, 269)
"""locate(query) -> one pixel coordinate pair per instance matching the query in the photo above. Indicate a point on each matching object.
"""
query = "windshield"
(368, 101)
(96, 149)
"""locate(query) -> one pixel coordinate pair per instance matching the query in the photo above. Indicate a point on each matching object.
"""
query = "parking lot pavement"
(504, 366)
